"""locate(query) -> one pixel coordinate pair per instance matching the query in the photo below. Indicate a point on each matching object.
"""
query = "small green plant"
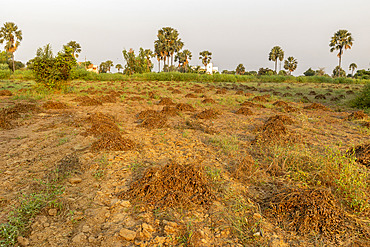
(226, 143)
(134, 166)
(213, 173)
(30, 205)
(103, 163)
(63, 141)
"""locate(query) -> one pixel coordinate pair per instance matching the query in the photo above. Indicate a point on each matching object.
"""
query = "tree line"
(168, 48)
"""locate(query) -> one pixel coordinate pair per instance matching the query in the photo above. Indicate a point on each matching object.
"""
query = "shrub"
(363, 100)
(4, 71)
(53, 73)
(309, 72)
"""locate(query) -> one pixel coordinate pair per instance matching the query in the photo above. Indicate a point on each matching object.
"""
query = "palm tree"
(240, 69)
(10, 33)
(290, 64)
(147, 54)
(109, 64)
(167, 45)
(183, 58)
(342, 39)
(159, 52)
(276, 54)
(352, 67)
(119, 67)
(76, 48)
(205, 56)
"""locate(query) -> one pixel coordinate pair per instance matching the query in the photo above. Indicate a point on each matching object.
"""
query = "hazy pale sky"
(235, 31)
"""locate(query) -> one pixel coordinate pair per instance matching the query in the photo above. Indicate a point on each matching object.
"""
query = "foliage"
(362, 74)
(290, 64)
(53, 73)
(4, 57)
(240, 69)
(228, 72)
(276, 54)
(309, 72)
(137, 64)
(4, 71)
(338, 72)
(352, 67)
(321, 72)
(183, 59)
(10, 33)
(30, 205)
(363, 100)
(283, 72)
(167, 45)
(104, 67)
(119, 67)
(205, 56)
(75, 47)
(266, 71)
(342, 39)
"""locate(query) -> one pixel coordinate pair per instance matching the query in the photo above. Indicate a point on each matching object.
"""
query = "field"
(152, 163)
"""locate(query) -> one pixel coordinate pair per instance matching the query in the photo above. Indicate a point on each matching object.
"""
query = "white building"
(211, 69)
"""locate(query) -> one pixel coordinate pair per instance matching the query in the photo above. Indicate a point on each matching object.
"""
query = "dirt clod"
(185, 107)
(166, 101)
(5, 92)
(245, 111)
(317, 106)
(172, 185)
(308, 211)
(207, 114)
(54, 105)
(362, 153)
(112, 141)
(357, 115)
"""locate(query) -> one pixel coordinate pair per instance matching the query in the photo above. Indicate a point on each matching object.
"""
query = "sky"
(235, 31)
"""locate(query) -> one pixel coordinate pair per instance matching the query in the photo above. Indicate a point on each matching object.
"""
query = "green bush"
(53, 73)
(23, 75)
(363, 100)
(4, 71)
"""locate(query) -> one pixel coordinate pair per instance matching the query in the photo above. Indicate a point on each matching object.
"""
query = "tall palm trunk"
(340, 61)
(276, 65)
(13, 62)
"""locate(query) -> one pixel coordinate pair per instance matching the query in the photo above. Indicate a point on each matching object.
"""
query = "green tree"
(290, 64)
(103, 67)
(309, 72)
(276, 54)
(119, 67)
(147, 55)
(352, 67)
(320, 72)
(10, 33)
(137, 64)
(53, 72)
(240, 69)
(159, 52)
(205, 56)
(338, 72)
(183, 59)
(109, 64)
(167, 44)
(4, 57)
(76, 48)
(342, 40)
(267, 71)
